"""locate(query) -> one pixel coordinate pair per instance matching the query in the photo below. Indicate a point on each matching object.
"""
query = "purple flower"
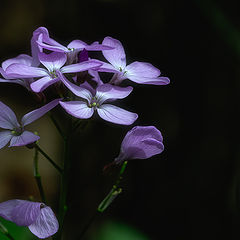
(15, 132)
(95, 100)
(20, 59)
(38, 217)
(139, 72)
(42, 40)
(140, 143)
(53, 62)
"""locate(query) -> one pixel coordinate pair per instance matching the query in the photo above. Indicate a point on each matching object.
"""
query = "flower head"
(38, 217)
(95, 100)
(139, 72)
(140, 143)
(15, 132)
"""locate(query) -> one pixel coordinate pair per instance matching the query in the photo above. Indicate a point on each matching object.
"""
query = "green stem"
(4, 230)
(37, 175)
(48, 158)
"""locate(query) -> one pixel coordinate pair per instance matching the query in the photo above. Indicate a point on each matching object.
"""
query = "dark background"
(191, 190)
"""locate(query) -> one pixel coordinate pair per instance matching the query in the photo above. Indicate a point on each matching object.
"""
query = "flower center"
(94, 103)
(53, 74)
(17, 131)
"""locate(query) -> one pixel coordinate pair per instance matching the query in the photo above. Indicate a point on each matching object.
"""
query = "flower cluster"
(75, 79)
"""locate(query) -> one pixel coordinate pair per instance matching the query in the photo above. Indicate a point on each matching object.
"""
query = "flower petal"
(23, 71)
(5, 137)
(37, 113)
(7, 207)
(108, 91)
(95, 46)
(80, 67)
(116, 56)
(142, 69)
(8, 118)
(42, 83)
(154, 81)
(117, 115)
(25, 212)
(24, 139)
(78, 91)
(53, 61)
(78, 109)
(22, 59)
(18, 81)
(46, 224)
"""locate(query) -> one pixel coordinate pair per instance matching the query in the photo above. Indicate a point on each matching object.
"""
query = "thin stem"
(48, 158)
(56, 125)
(37, 175)
(4, 230)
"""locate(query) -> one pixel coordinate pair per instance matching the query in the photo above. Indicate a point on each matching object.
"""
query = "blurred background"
(191, 190)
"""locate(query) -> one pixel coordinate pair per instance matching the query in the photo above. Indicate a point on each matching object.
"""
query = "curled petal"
(7, 207)
(117, 115)
(45, 225)
(22, 59)
(108, 91)
(53, 61)
(37, 113)
(42, 83)
(78, 44)
(8, 118)
(5, 137)
(116, 56)
(24, 139)
(25, 212)
(78, 109)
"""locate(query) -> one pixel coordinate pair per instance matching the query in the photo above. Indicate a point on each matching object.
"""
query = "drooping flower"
(41, 40)
(95, 100)
(38, 217)
(53, 62)
(15, 132)
(20, 59)
(139, 72)
(140, 142)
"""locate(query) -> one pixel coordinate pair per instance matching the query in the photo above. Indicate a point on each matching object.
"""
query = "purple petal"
(18, 81)
(8, 118)
(80, 67)
(24, 139)
(25, 212)
(37, 113)
(116, 56)
(46, 224)
(106, 67)
(108, 91)
(53, 61)
(117, 115)
(154, 81)
(23, 71)
(22, 59)
(78, 44)
(78, 91)
(5, 137)
(95, 76)
(7, 207)
(141, 142)
(78, 109)
(142, 69)
(42, 83)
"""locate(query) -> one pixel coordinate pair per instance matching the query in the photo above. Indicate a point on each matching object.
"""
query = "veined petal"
(78, 109)
(116, 56)
(5, 137)
(37, 113)
(24, 139)
(142, 69)
(108, 91)
(153, 81)
(46, 224)
(53, 61)
(7, 207)
(8, 118)
(106, 67)
(117, 115)
(80, 67)
(78, 91)
(21, 59)
(25, 212)
(23, 71)
(95, 46)
(42, 83)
